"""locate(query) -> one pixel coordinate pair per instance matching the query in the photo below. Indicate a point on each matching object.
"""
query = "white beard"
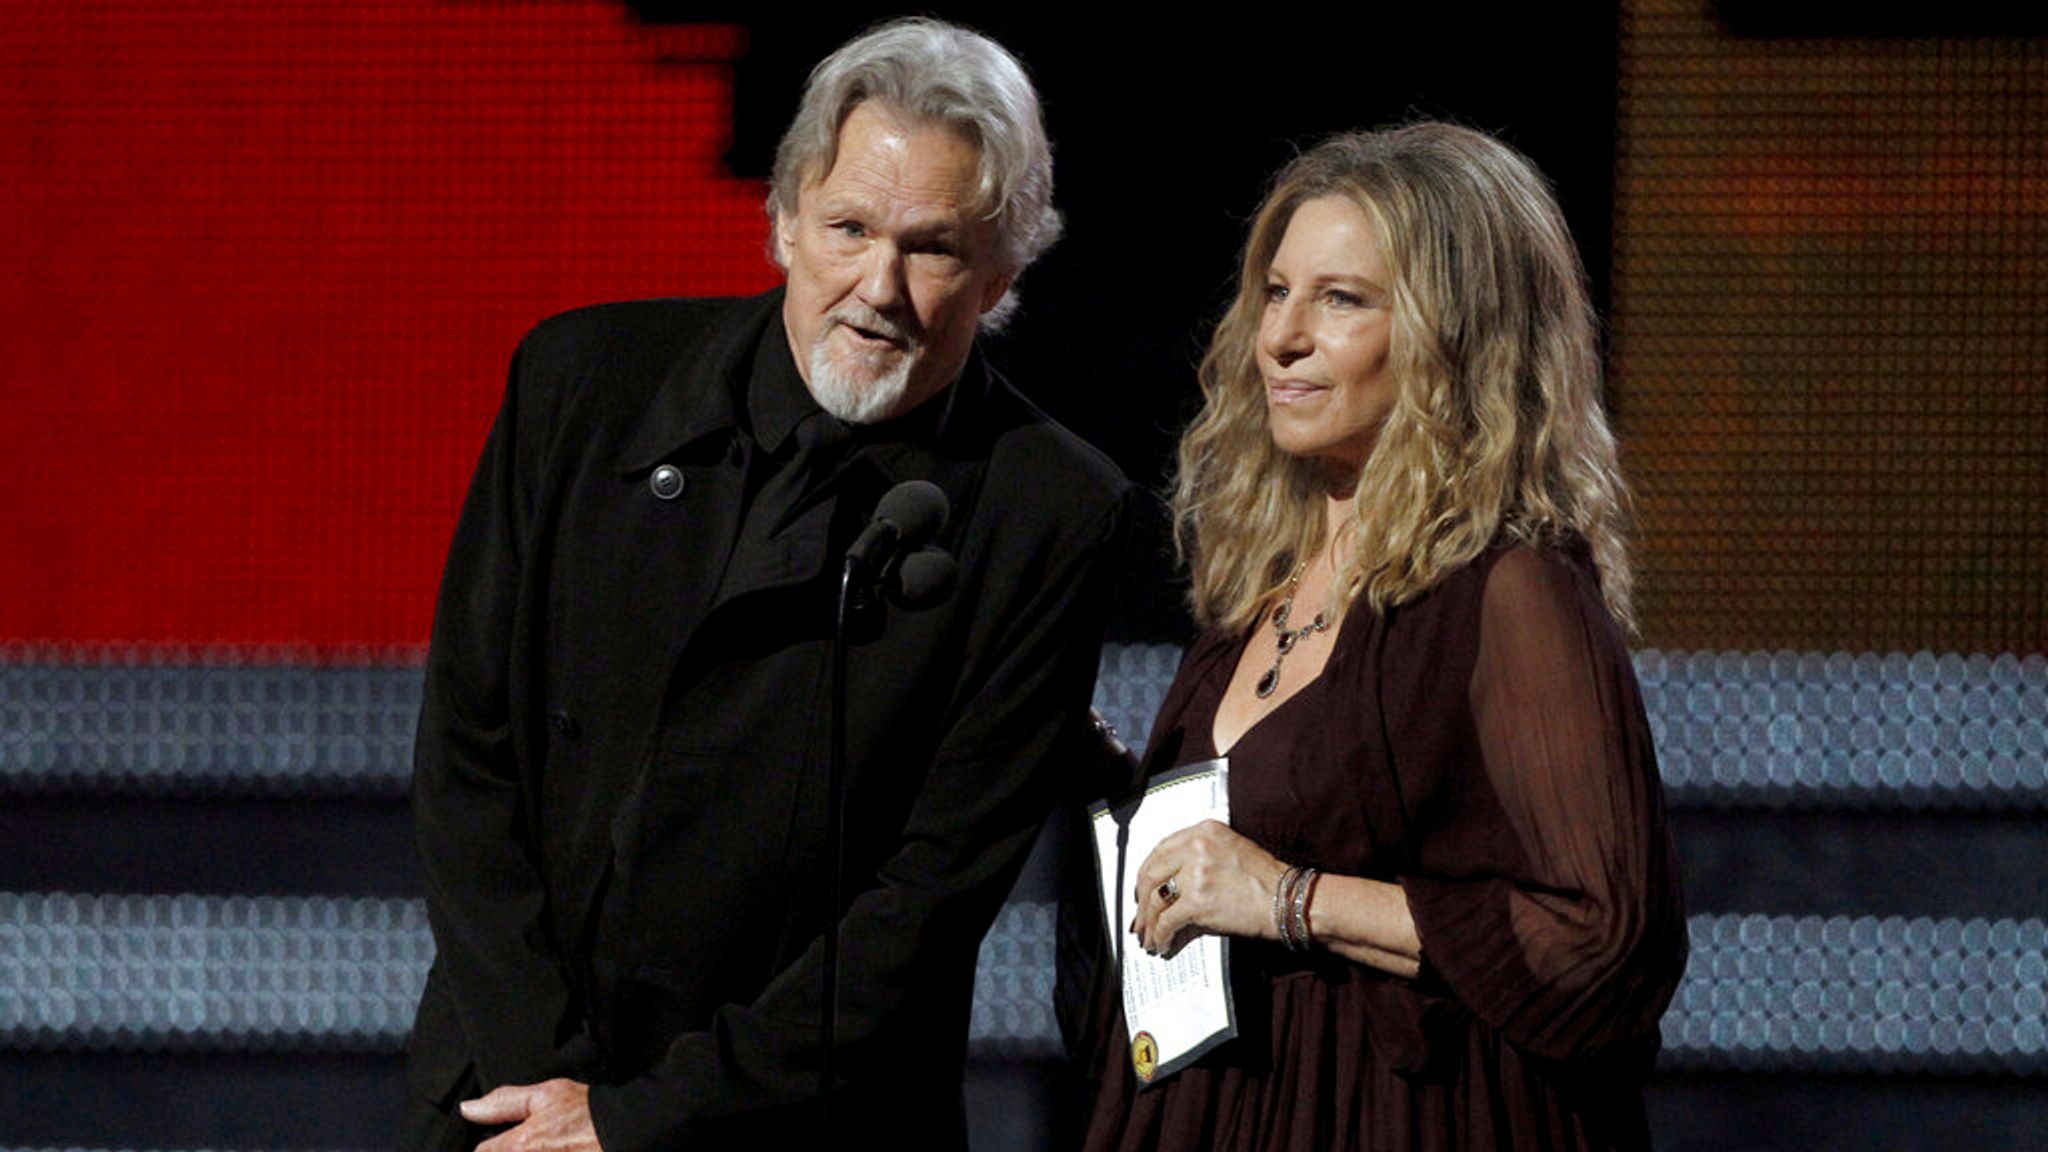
(851, 397)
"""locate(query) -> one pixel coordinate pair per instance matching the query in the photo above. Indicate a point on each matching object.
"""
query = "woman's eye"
(1275, 293)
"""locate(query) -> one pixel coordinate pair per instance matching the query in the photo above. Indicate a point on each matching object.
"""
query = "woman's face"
(1323, 335)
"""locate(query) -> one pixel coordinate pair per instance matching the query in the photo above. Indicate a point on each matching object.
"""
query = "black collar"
(702, 391)
(777, 398)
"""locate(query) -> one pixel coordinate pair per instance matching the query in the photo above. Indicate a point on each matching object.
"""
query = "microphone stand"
(835, 853)
(906, 516)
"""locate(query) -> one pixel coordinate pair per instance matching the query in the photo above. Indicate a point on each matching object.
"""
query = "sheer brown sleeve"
(1547, 896)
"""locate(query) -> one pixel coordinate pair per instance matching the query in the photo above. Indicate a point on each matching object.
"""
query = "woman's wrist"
(1292, 894)
(1282, 892)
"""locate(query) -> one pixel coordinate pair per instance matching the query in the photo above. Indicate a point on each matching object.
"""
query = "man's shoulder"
(1041, 463)
(653, 332)
(599, 368)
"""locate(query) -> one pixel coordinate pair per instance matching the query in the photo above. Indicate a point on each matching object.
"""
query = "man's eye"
(850, 228)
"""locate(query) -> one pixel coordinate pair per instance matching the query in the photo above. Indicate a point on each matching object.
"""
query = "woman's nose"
(1284, 333)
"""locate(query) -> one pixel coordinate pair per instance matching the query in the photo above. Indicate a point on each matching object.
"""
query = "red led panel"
(267, 264)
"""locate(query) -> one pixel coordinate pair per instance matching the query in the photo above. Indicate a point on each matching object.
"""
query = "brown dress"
(1485, 747)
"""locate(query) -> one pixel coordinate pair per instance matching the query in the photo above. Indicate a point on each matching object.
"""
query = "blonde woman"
(1448, 883)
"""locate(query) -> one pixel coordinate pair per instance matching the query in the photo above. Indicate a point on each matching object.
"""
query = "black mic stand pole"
(906, 516)
(835, 853)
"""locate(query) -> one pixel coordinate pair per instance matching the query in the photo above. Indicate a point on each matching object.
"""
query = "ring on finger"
(1169, 890)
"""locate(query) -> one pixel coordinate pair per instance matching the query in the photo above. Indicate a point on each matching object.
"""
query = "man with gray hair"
(620, 774)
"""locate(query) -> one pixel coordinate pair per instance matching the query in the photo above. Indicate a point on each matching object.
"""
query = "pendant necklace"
(1284, 639)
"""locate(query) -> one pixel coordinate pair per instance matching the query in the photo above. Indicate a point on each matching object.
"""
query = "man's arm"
(485, 899)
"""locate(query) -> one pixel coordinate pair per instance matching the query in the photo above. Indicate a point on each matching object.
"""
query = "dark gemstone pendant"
(1268, 682)
(1287, 641)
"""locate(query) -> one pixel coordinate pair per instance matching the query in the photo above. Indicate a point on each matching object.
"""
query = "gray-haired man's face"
(891, 265)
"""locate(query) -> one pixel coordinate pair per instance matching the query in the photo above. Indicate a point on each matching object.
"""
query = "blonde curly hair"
(1497, 430)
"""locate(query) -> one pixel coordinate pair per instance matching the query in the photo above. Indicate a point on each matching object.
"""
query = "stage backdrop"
(268, 262)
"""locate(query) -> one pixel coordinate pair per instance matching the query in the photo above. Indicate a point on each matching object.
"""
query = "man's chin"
(867, 393)
(871, 372)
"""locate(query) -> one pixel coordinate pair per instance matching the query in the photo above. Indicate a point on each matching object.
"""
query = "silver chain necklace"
(1284, 638)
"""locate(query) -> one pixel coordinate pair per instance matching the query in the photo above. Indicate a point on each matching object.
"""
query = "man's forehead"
(916, 135)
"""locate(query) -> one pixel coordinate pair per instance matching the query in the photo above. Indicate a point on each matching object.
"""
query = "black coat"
(619, 775)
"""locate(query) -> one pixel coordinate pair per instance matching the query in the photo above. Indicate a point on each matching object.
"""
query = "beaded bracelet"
(1283, 901)
(1300, 939)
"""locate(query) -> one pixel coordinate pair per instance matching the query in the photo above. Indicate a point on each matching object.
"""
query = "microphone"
(923, 578)
(905, 518)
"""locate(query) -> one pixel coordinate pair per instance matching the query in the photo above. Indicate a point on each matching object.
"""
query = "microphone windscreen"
(925, 577)
(916, 509)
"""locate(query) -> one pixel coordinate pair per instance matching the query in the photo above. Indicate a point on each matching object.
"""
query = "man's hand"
(552, 1116)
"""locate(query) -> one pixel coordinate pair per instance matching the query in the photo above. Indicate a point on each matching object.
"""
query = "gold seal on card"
(1145, 1056)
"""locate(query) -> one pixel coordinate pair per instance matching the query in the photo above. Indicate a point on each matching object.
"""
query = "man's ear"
(781, 225)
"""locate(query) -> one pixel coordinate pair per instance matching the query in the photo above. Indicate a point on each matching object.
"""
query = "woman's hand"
(1220, 882)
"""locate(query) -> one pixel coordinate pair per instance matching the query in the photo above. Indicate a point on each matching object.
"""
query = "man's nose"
(882, 278)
